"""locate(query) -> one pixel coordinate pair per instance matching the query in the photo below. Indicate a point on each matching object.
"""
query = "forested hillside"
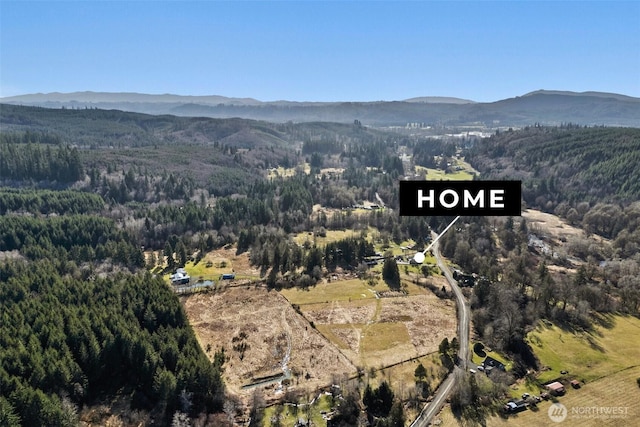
(86, 190)
(113, 128)
(93, 202)
(66, 341)
(72, 335)
(548, 107)
(590, 176)
(569, 164)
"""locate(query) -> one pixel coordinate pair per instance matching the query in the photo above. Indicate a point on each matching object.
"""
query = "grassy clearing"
(217, 262)
(402, 376)
(328, 332)
(396, 250)
(376, 332)
(440, 175)
(205, 269)
(345, 290)
(587, 356)
(289, 414)
(413, 289)
(605, 361)
(288, 172)
(618, 390)
(332, 236)
(384, 336)
(353, 304)
(466, 166)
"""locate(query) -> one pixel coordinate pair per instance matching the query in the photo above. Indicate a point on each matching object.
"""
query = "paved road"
(464, 312)
(433, 407)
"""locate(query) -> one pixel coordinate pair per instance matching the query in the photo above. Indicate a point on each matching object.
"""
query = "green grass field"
(332, 236)
(204, 270)
(344, 290)
(383, 336)
(290, 415)
(440, 175)
(618, 390)
(606, 362)
(587, 356)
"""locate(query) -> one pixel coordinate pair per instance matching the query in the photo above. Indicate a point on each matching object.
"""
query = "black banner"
(465, 198)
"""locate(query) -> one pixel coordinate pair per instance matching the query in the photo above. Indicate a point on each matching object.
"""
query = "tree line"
(79, 238)
(569, 164)
(65, 342)
(37, 162)
(48, 202)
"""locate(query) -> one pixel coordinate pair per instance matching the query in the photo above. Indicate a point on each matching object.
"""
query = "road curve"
(438, 401)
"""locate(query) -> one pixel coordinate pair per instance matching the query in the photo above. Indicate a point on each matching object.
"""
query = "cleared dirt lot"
(354, 327)
(551, 225)
(266, 323)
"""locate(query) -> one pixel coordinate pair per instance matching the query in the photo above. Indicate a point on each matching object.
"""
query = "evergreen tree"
(420, 373)
(391, 273)
(168, 252)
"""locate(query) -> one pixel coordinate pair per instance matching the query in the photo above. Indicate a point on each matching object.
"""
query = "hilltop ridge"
(549, 107)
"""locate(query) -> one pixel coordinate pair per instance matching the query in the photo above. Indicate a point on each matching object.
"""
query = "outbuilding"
(556, 388)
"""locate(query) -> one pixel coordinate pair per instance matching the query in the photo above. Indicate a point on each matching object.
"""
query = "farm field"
(605, 361)
(374, 331)
(618, 390)
(331, 236)
(439, 175)
(587, 356)
(270, 330)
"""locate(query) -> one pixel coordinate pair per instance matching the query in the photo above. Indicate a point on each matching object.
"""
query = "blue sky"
(320, 51)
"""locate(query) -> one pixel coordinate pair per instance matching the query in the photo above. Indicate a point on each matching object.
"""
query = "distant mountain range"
(544, 107)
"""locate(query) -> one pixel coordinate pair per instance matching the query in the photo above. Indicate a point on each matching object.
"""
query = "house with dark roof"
(490, 362)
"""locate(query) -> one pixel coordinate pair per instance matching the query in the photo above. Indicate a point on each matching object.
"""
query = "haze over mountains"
(545, 107)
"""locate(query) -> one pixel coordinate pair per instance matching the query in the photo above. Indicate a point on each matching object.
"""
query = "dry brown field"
(271, 329)
(375, 331)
